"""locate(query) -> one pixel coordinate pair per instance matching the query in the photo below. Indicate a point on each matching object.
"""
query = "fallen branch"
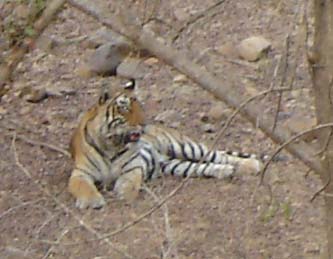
(42, 144)
(124, 24)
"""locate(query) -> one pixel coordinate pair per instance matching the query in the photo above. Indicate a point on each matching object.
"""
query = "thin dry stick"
(285, 144)
(43, 144)
(49, 251)
(315, 195)
(282, 81)
(30, 141)
(12, 209)
(326, 143)
(195, 18)
(168, 230)
(63, 206)
(247, 101)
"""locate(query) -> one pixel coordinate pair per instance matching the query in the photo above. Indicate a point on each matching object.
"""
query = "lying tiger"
(113, 146)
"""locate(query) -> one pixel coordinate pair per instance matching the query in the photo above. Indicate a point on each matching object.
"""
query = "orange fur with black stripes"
(105, 124)
(114, 147)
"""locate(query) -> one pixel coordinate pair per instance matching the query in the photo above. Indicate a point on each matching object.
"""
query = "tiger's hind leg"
(195, 169)
(82, 187)
(128, 185)
(245, 163)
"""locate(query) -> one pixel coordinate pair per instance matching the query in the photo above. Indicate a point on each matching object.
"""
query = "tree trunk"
(322, 68)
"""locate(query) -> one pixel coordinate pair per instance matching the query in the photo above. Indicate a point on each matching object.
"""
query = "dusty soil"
(207, 218)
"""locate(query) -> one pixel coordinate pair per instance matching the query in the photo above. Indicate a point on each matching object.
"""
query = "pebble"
(253, 48)
(208, 127)
(180, 78)
(33, 95)
(218, 112)
(151, 61)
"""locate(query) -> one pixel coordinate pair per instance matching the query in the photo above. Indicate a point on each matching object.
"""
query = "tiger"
(114, 146)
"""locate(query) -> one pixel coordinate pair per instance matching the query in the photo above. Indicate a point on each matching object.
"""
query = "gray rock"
(130, 68)
(251, 49)
(105, 60)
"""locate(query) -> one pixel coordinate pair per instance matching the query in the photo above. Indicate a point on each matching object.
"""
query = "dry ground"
(207, 218)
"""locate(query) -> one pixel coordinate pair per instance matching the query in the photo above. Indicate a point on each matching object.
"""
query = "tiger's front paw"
(96, 202)
(127, 186)
(85, 192)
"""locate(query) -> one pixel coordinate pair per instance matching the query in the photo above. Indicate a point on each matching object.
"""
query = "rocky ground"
(207, 218)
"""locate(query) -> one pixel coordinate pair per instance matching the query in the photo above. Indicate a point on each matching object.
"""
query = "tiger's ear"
(130, 84)
(104, 94)
(103, 97)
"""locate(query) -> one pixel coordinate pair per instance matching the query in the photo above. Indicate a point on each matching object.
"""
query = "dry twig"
(196, 18)
(42, 144)
(288, 142)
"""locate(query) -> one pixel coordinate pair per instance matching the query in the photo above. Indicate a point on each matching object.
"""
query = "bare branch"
(42, 144)
(288, 142)
(282, 81)
(195, 18)
(328, 181)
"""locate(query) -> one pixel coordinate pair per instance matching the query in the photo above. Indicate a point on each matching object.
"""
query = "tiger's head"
(113, 121)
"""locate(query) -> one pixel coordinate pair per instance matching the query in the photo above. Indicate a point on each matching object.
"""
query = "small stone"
(180, 78)
(181, 14)
(204, 117)
(251, 49)
(166, 116)
(218, 112)
(46, 43)
(296, 93)
(59, 90)
(26, 110)
(2, 111)
(209, 128)
(175, 124)
(151, 61)
(33, 95)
